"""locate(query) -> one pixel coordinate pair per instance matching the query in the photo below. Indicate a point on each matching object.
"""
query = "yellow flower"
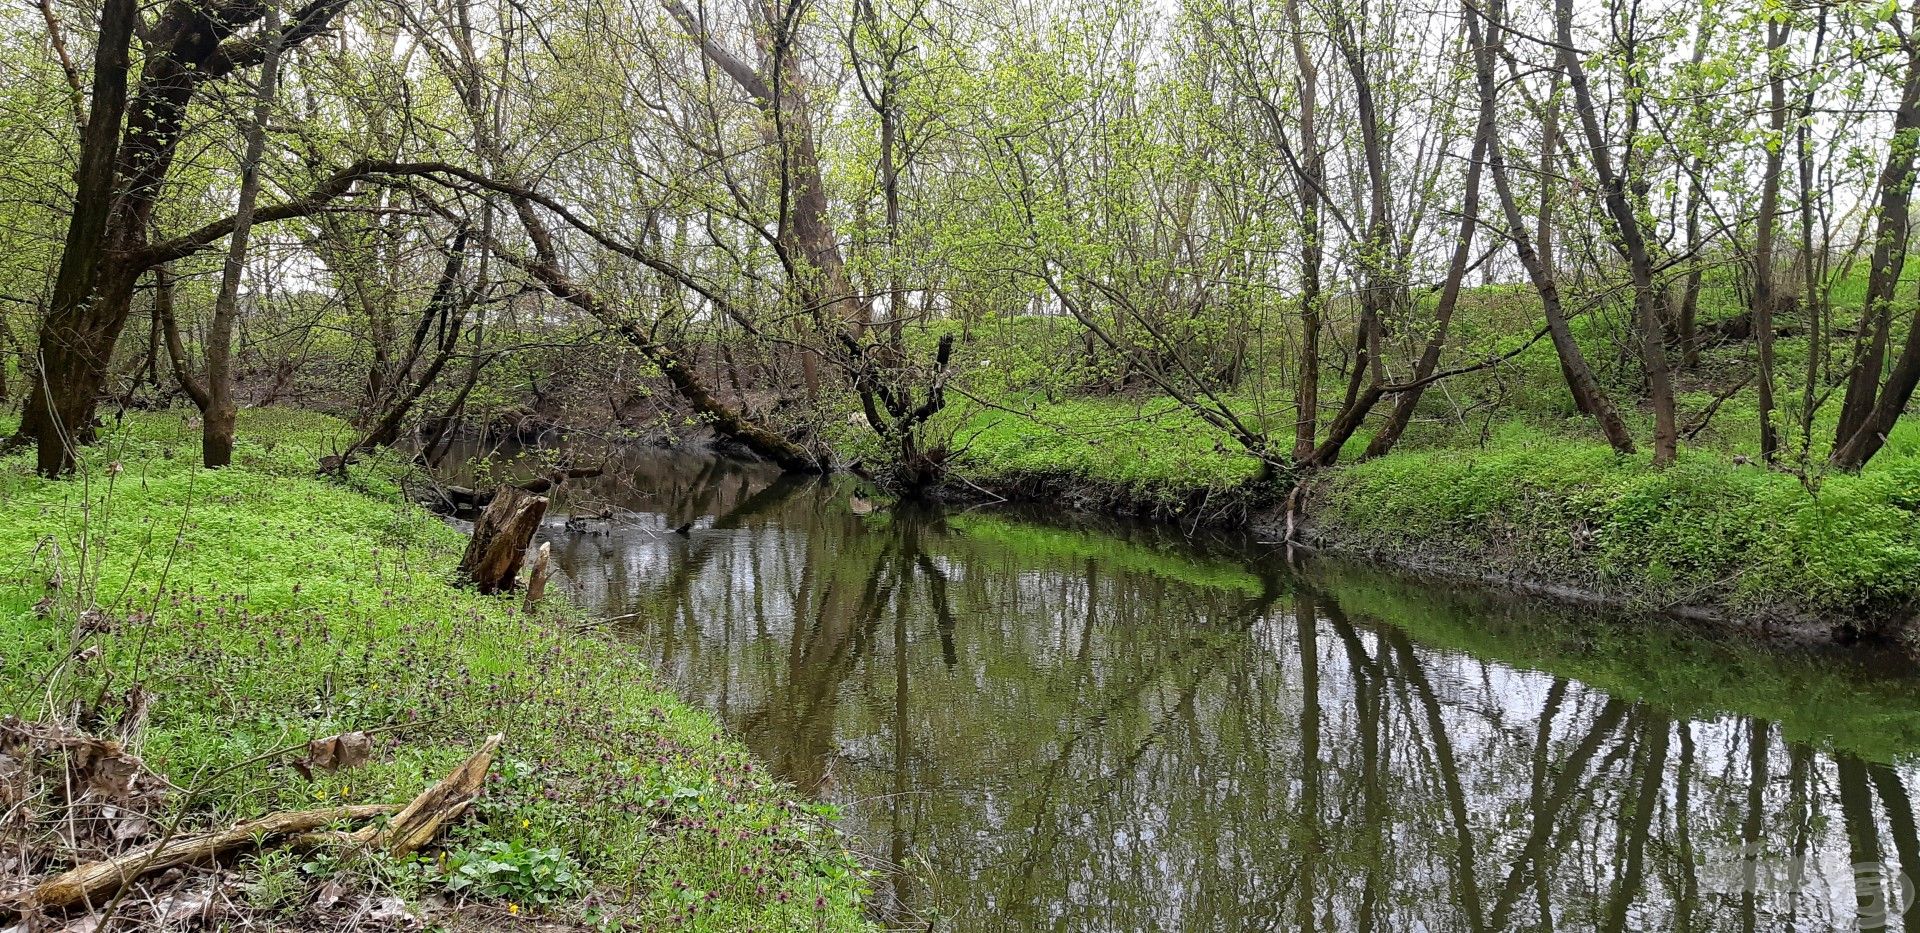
(513, 908)
(524, 823)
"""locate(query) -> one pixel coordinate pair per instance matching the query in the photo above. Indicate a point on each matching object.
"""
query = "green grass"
(1703, 530)
(1151, 451)
(1497, 471)
(262, 606)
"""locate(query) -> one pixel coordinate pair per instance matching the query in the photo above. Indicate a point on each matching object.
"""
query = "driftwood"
(555, 477)
(97, 881)
(412, 827)
(420, 822)
(537, 577)
(500, 539)
(464, 497)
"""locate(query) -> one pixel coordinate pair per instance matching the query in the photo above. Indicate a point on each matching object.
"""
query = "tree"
(1485, 34)
(1870, 406)
(218, 411)
(1616, 187)
(122, 176)
(1764, 286)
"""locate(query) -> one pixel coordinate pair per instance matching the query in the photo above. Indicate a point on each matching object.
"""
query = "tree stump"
(537, 577)
(500, 539)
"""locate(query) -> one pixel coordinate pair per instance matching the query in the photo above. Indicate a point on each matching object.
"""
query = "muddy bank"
(1566, 536)
(1261, 515)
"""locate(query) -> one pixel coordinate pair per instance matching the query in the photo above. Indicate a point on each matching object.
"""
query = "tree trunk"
(1377, 287)
(809, 245)
(76, 348)
(685, 381)
(1688, 324)
(121, 177)
(1884, 268)
(1894, 396)
(1764, 291)
(447, 308)
(75, 344)
(1429, 361)
(1626, 223)
(1310, 185)
(1870, 409)
(163, 308)
(1586, 390)
(221, 412)
(1814, 300)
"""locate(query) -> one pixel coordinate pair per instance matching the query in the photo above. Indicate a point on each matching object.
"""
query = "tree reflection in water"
(1102, 728)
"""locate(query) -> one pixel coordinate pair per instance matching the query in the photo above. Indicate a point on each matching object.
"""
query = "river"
(1069, 723)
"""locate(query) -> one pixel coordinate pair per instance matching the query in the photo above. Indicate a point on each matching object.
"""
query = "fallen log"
(421, 821)
(462, 497)
(465, 497)
(500, 539)
(559, 475)
(97, 881)
(413, 827)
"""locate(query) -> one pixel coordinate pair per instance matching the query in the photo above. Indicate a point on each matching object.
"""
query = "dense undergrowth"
(260, 607)
(1705, 529)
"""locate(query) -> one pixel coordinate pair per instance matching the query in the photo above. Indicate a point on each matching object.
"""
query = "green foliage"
(1498, 472)
(516, 873)
(1154, 451)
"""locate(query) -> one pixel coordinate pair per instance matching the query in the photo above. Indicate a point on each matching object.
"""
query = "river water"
(1077, 724)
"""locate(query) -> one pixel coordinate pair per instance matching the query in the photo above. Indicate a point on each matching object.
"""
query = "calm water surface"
(1077, 725)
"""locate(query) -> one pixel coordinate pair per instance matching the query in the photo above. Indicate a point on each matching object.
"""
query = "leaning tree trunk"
(1429, 362)
(1586, 390)
(1633, 245)
(1884, 269)
(500, 539)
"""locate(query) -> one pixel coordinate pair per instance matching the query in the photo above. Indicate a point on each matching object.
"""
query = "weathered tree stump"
(500, 539)
(537, 577)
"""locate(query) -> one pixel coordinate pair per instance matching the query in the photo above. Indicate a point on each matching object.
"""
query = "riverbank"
(216, 616)
(1827, 556)
(1066, 721)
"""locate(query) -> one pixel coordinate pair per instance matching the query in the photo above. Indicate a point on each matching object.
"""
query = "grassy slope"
(1703, 529)
(1536, 492)
(264, 607)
